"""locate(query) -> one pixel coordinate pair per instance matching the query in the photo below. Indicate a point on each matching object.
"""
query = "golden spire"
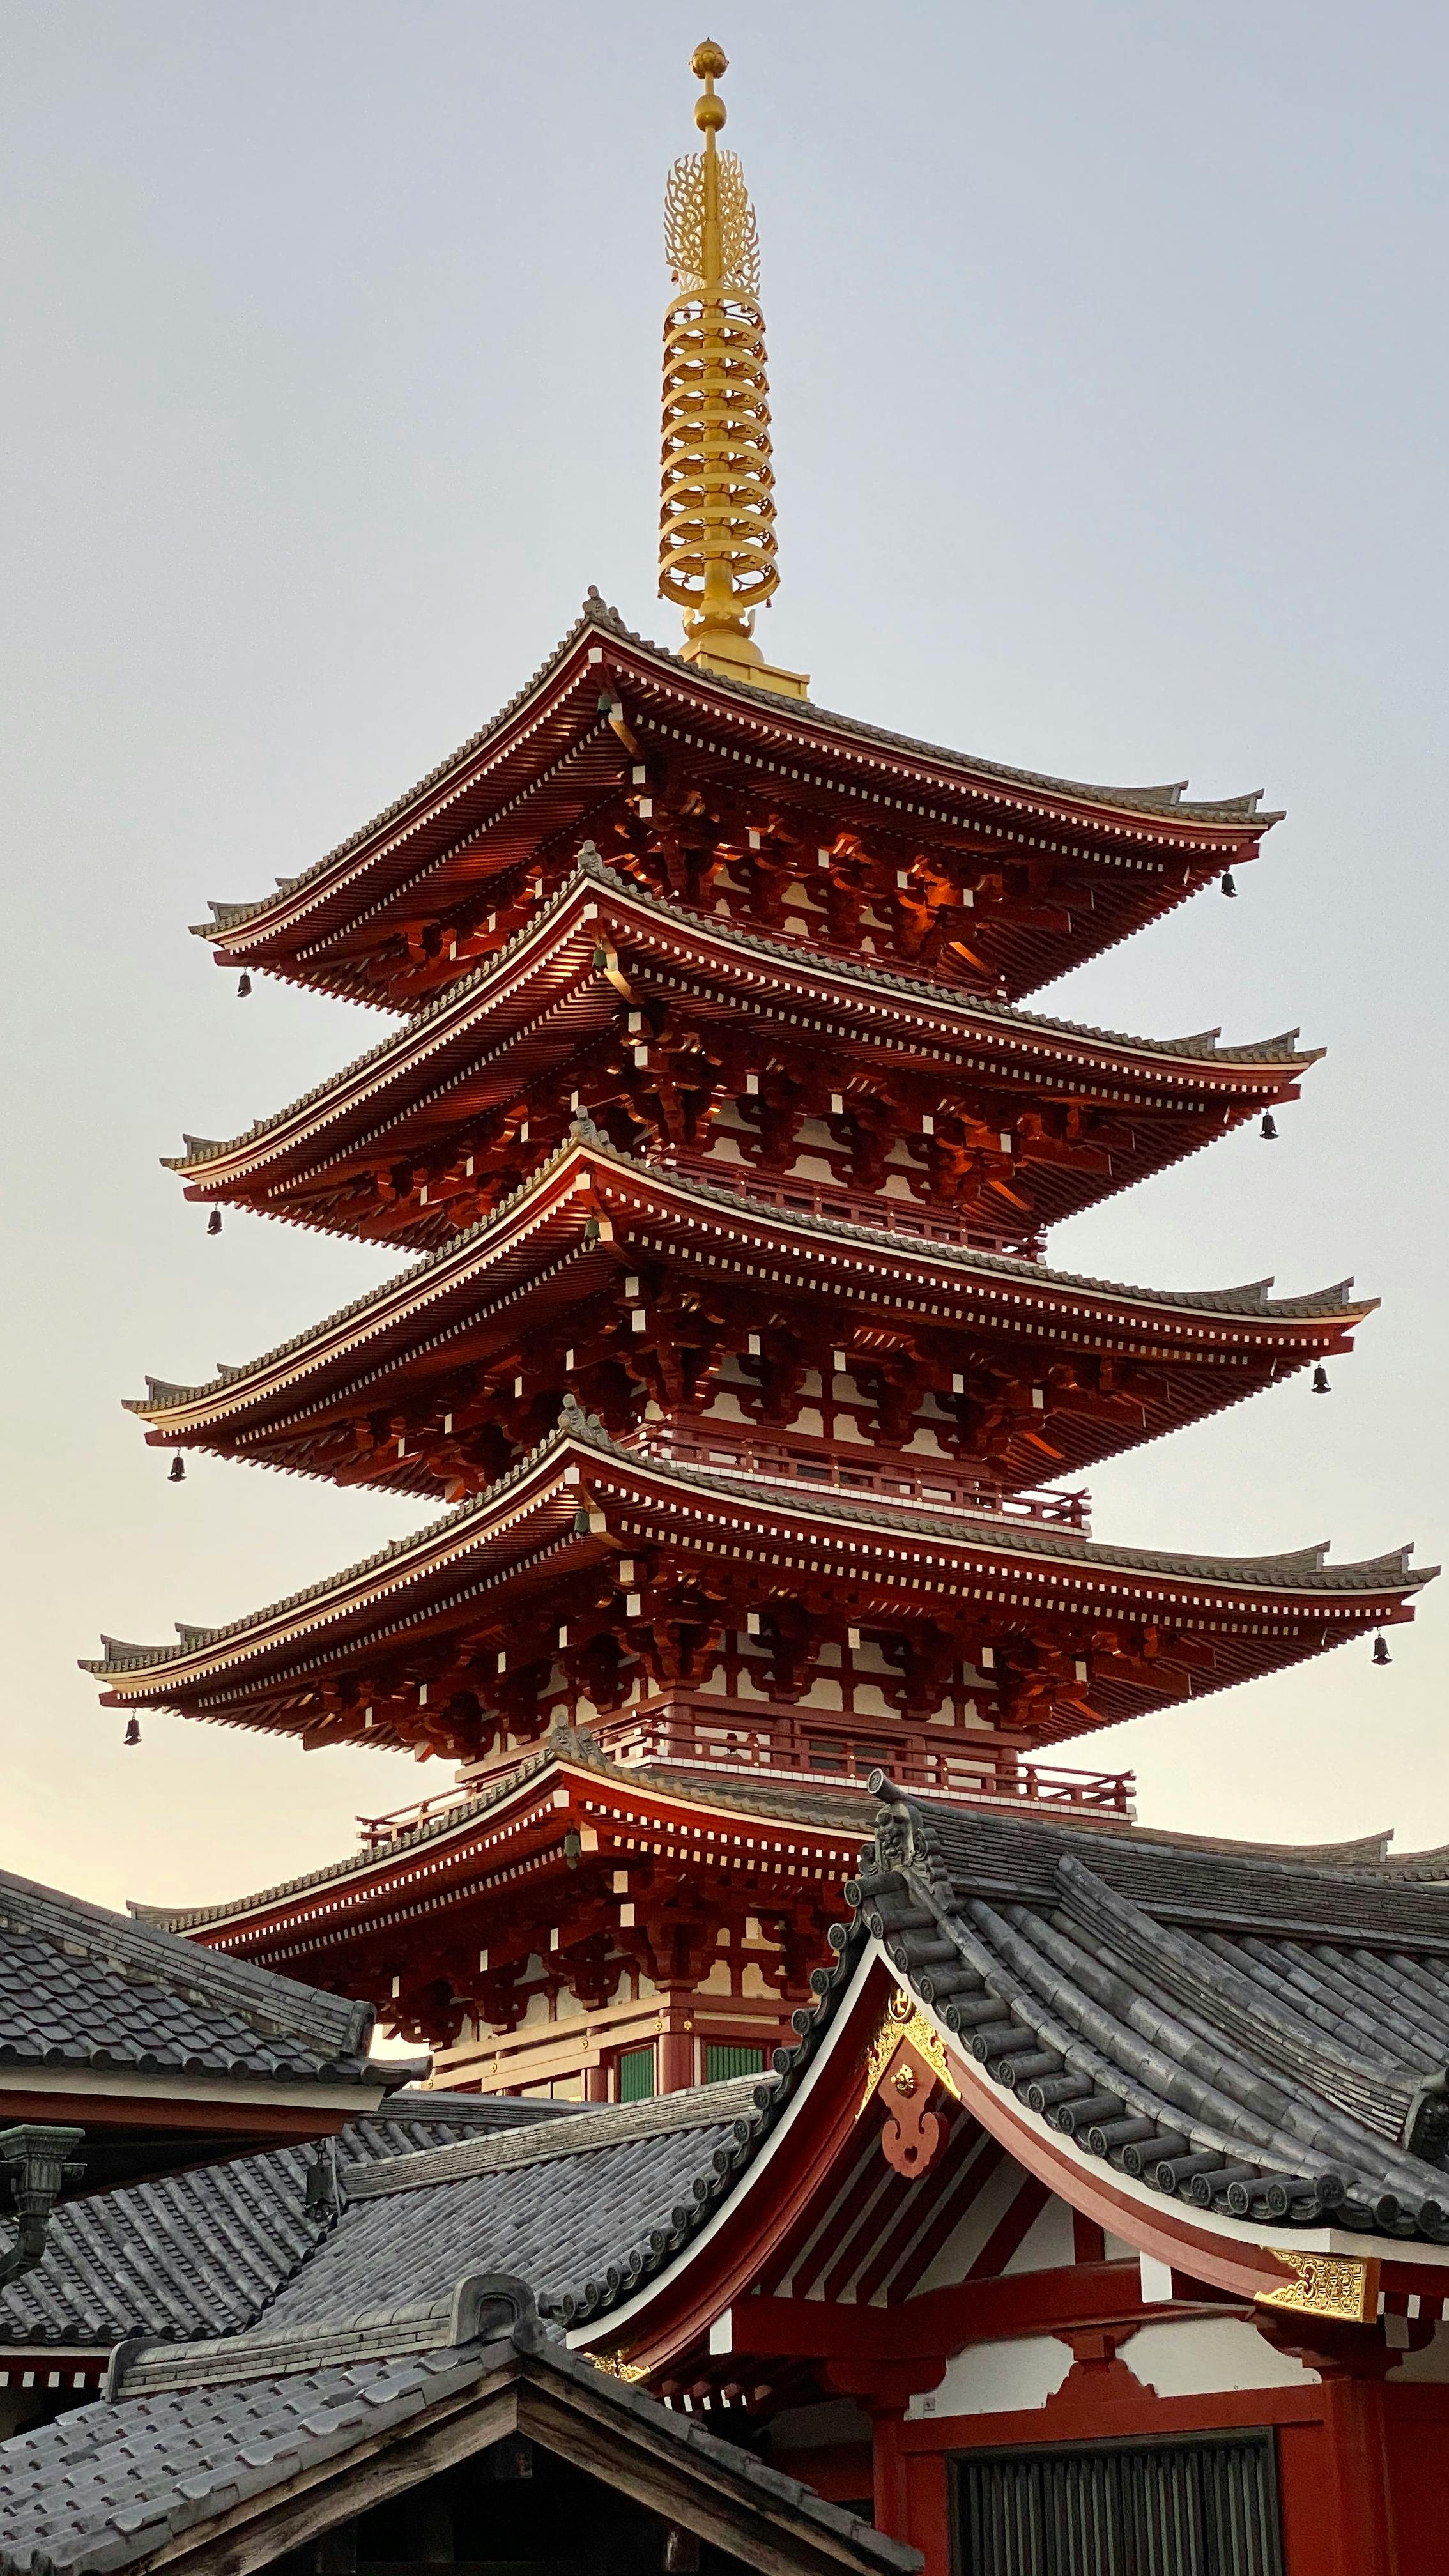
(717, 510)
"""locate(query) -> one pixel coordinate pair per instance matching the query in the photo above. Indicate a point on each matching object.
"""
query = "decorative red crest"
(904, 2064)
(912, 2131)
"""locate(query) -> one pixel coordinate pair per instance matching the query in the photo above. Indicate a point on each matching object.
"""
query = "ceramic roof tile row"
(83, 1987)
(1246, 2035)
(204, 2252)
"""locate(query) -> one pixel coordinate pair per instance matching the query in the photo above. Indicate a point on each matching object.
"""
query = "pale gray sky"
(1107, 352)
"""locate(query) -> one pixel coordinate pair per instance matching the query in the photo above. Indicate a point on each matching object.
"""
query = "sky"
(1108, 370)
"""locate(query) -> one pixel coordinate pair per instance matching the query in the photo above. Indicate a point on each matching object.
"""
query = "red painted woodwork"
(952, 865)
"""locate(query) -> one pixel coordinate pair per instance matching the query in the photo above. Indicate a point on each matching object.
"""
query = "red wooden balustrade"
(913, 1217)
(727, 1737)
(824, 1464)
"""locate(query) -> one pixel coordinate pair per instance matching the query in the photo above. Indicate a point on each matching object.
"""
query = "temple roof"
(468, 1027)
(1296, 2021)
(517, 758)
(204, 2252)
(200, 2439)
(425, 1283)
(84, 1988)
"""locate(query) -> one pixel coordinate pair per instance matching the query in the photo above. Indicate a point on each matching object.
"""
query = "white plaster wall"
(997, 2379)
(1203, 2356)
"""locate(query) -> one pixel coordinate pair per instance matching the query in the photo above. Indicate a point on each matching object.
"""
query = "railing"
(732, 1737)
(736, 1740)
(911, 1217)
(822, 1464)
(375, 1831)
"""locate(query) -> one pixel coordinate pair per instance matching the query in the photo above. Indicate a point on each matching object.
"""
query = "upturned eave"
(487, 775)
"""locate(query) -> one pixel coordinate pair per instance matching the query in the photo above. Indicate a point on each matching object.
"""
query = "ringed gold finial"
(717, 553)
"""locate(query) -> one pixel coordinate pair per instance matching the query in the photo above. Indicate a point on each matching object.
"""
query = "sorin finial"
(717, 558)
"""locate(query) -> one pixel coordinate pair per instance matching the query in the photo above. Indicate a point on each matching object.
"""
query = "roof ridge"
(703, 2106)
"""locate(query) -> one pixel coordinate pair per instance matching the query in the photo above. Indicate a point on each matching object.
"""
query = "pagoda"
(724, 1156)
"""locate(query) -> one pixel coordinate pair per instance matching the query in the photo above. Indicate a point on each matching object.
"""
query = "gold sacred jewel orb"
(717, 511)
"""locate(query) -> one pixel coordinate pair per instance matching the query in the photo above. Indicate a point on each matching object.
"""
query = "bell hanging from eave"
(178, 1472)
(244, 986)
(133, 1731)
(1269, 1129)
(1381, 1651)
(213, 1222)
(1229, 889)
(1320, 1379)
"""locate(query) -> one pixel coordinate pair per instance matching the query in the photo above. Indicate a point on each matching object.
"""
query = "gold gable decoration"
(903, 2019)
(1342, 2288)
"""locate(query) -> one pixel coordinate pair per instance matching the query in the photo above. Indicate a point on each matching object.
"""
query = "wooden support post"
(890, 2510)
(676, 2048)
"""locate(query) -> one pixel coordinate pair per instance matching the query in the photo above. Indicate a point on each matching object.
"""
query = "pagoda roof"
(540, 766)
(533, 1003)
(523, 1531)
(377, 1338)
(831, 1818)
(444, 1841)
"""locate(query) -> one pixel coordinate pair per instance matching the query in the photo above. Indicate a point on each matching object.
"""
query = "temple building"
(1026, 2193)
(725, 1154)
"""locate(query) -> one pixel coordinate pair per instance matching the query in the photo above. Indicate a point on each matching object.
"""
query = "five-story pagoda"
(726, 1154)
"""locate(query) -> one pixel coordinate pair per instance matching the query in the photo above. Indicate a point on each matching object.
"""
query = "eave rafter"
(698, 1041)
(1028, 875)
(651, 1296)
(593, 1571)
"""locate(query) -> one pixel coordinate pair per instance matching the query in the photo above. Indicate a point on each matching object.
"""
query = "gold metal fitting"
(717, 554)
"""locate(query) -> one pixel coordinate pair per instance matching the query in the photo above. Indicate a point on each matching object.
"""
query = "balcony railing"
(913, 1217)
(931, 1483)
(730, 1738)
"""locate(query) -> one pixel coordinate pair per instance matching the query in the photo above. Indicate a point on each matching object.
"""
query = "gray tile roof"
(81, 1987)
(204, 2433)
(862, 973)
(205, 2252)
(1284, 2027)
(576, 2227)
